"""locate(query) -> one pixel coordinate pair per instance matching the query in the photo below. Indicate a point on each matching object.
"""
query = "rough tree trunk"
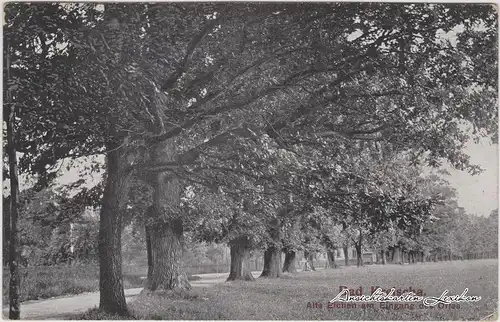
(359, 254)
(272, 263)
(384, 260)
(272, 255)
(166, 227)
(149, 250)
(309, 257)
(396, 256)
(290, 262)
(6, 231)
(15, 278)
(331, 259)
(167, 244)
(346, 254)
(240, 261)
(112, 296)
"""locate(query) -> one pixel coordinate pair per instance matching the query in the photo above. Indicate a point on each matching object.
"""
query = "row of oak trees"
(203, 92)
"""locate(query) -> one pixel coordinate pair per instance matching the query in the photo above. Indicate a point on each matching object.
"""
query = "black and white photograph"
(250, 161)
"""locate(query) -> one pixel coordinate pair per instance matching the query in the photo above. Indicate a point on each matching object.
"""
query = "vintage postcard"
(250, 161)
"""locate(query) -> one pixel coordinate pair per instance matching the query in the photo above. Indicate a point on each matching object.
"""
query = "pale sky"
(478, 194)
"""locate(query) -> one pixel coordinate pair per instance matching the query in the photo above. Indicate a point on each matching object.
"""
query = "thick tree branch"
(181, 68)
(190, 156)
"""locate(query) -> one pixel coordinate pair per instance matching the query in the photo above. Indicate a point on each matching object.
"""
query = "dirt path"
(59, 308)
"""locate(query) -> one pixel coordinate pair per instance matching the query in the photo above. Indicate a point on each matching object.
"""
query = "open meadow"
(288, 298)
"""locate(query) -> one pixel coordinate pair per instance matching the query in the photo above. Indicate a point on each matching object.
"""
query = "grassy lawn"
(288, 298)
(44, 282)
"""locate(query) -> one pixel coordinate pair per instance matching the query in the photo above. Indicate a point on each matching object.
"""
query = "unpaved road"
(61, 307)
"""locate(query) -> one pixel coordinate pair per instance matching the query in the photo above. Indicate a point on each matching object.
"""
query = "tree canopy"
(251, 120)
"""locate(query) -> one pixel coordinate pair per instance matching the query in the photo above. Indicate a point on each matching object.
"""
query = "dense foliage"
(281, 127)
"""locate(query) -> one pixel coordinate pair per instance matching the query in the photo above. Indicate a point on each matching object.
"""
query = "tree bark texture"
(272, 263)
(396, 255)
(272, 255)
(166, 245)
(240, 261)
(112, 295)
(359, 254)
(359, 249)
(331, 259)
(346, 254)
(290, 264)
(310, 260)
(331, 249)
(166, 227)
(149, 250)
(15, 278)
(6, 231)
(115, 197)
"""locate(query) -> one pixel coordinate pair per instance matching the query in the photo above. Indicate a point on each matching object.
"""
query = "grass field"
(44, 282)
(288, 298)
